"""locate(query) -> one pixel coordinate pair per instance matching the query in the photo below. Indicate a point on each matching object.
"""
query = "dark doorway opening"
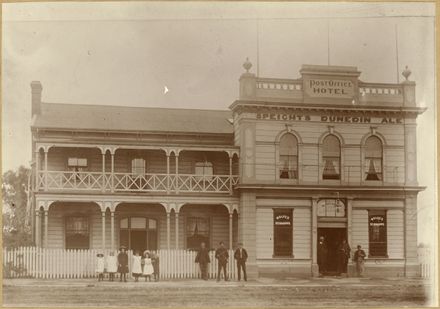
(333, 237)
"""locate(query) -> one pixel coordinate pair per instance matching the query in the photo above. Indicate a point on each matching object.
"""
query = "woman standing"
(148, 266)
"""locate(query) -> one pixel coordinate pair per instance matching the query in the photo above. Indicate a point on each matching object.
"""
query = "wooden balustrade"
(128, 182)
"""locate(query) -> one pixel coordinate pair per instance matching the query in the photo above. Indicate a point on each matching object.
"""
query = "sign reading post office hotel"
(329, 88)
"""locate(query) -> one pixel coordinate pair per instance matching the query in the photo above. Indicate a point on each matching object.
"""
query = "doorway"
(333, 237)
(138, 233)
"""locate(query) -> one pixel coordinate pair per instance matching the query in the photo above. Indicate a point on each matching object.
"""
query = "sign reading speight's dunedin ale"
(328, 118)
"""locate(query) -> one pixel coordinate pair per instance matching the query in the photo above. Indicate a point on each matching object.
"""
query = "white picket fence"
(424, 257)
(33, 262)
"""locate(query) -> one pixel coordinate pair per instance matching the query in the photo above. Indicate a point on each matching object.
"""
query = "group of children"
(146, 265)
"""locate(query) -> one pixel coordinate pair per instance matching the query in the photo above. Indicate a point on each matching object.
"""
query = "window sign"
(283, 232)
(377, 233)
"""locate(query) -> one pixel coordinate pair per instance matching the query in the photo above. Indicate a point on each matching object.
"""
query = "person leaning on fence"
(100, 266)
(122, 264)
(112, 265)
(203, 259)
(222, 255)
(240, 255)
(359, 259)
(136, 268)
(148, 266)
(155, 262)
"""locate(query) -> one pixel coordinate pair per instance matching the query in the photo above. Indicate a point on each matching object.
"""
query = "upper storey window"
(373, 158)
(204, 169)
(289, 157)
(138, 167)
(77, 164)
(331, 157)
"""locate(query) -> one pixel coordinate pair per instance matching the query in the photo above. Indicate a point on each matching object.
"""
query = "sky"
(124, 54)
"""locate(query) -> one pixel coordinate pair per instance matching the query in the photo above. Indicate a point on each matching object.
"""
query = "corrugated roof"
(122, 118)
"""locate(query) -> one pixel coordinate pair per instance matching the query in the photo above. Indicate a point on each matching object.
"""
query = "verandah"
(35, 262)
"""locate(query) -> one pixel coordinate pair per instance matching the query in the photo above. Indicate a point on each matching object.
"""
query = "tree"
(16, 208)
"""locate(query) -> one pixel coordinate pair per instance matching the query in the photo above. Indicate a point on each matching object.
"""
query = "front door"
(138, 233)
(333, 237)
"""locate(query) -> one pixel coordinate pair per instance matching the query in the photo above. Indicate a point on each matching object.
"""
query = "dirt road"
(212, 294)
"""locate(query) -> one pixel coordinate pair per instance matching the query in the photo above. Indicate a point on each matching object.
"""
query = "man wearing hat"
(222, 255)
(203, 259)
(122, 263)
(241, 256)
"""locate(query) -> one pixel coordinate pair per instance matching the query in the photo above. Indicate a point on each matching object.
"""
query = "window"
(77, 232)
(138, 167)
(77, 164)
(331, 157)
(288, 157)
(373, 158)
(331, 208)
(197, 231)
(377, 226)
(138, 233)
(283, 232)
(204, 169)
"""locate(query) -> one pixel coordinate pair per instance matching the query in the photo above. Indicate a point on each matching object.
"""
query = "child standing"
(148, 266)
(100, 266)
(122, 263)
(136, 268)
(112, 265)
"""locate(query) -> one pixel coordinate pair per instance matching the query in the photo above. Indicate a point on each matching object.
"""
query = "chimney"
(36, 97)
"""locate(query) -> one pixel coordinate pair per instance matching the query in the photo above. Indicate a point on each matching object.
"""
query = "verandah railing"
(127, 182)
(33, 262)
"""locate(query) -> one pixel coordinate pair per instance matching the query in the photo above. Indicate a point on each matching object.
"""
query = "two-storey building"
(322, 155)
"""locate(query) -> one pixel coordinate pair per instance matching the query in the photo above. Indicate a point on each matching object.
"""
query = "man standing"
(343, 257)
(241, 256)
(203, 259)
(359, 259)
(222, 255)
(322, 255)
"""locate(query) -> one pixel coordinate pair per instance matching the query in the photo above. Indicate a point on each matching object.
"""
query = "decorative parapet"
(327, 85)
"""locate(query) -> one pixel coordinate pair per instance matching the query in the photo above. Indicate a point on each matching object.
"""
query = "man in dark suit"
(203, 259)
(222, 255)
(322, 255)
(241, 256)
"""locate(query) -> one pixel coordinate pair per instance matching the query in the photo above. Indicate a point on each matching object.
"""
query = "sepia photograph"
(219, 154)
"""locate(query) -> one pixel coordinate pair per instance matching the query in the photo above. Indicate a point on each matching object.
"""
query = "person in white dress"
(148, 266)
(112, 265)
(136, 268)
(100, 265)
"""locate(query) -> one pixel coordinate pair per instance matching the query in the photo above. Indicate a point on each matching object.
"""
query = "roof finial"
(247, 65)
(406, 73)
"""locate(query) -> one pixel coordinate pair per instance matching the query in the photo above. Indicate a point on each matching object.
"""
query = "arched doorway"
(138, 233)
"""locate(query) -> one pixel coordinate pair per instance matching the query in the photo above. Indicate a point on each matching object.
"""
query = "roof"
(122, 118)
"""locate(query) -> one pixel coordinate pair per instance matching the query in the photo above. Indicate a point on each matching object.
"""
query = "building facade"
(294, 159)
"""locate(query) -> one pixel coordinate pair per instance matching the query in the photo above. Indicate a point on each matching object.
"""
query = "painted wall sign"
(315, 87)
(327, 118)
